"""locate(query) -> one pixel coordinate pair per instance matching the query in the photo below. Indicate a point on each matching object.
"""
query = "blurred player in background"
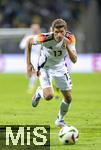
(35, 29)
(57, 45)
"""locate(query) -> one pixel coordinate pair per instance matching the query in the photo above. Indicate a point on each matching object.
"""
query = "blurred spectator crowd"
(83, 18)
(21, 13)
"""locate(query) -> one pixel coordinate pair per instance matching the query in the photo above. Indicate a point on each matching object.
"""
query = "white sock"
(31, 82)
(40, 91)
(63, 109)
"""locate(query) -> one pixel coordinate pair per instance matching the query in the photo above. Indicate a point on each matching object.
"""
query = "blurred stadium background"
(83, 18)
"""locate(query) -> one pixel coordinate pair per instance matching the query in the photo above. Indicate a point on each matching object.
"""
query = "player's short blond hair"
(59, 23)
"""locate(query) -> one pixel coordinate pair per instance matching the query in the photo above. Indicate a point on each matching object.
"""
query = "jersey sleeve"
(42, 38)
(38, 39)
(71, 41)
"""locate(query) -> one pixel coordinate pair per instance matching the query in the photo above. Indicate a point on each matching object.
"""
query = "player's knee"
(48, 97)
(68, 99)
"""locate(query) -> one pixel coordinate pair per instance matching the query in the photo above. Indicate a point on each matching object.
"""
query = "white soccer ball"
(68, 135)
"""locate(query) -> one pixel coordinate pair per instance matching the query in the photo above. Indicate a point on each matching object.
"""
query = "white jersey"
(53, 52)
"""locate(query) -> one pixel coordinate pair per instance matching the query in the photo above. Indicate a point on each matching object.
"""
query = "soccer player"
(57, 45)
(35, 29)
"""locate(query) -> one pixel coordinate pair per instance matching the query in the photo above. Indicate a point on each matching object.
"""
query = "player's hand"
(30, 70)
(38, 73)
(69, 38)
(66, 40)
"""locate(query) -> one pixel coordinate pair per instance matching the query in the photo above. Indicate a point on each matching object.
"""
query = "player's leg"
(33, 78)
(31, 84)
(64, 107)
(65, 85)
(48, 93)
(45, 90)
(56, 91)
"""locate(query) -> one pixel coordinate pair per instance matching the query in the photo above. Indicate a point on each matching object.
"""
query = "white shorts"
(63, 82)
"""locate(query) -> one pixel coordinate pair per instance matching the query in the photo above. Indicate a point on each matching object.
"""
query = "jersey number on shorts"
(57, 53)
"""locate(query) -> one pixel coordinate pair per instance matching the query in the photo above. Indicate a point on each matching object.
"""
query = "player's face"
(59, 33)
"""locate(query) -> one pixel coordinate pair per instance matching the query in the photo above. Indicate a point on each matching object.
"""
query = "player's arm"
(30, 67)
(34, 40)
(70, 46)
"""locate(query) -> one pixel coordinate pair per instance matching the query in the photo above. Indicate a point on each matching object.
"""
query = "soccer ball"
(68, 135)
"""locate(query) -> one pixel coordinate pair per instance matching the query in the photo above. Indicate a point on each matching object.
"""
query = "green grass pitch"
(85, 111)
